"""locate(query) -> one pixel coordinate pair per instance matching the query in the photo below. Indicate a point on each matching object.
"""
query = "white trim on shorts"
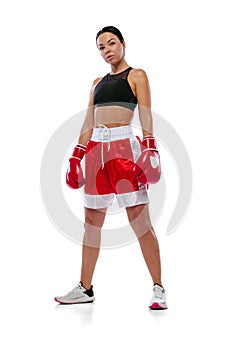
(124, 200)
(112, 134)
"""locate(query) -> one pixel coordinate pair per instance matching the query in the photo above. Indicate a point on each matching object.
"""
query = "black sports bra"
(114, 90)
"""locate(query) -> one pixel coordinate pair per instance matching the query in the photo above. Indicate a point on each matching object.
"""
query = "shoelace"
(79, 286)
(158, 292)
(105, 134)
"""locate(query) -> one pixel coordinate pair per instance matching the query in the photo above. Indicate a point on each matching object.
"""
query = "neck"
(118, 67)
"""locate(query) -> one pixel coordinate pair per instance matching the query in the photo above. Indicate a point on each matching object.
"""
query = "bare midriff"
(112, 116)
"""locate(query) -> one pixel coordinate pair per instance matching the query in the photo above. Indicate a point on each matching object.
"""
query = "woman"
(116, 164)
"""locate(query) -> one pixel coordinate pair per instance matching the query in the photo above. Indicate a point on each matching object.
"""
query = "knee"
(141, 226)
(140, 222)
(93, 220)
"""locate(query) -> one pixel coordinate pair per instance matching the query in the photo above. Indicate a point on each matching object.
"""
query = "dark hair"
(111, 29)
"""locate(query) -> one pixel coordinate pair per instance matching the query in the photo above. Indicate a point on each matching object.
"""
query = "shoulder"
(138, 75)
(96, 81)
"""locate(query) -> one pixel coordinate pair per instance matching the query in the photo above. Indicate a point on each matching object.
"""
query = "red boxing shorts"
(109, 162)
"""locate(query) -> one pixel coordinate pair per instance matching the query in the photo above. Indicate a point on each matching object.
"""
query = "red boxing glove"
(74, 174)
(147, 168)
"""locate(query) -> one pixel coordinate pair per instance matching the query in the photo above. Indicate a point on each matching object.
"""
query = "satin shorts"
(109, 162)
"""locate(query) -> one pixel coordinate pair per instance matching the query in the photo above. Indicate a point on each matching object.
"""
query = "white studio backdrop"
(48, 62)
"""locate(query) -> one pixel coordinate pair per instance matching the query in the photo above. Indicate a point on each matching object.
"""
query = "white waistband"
(104, 134)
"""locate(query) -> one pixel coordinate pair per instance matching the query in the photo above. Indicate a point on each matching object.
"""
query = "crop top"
(114, 90)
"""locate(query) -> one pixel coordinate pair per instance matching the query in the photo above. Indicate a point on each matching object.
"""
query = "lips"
(109, 57)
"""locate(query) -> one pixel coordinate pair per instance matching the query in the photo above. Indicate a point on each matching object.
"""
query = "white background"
(48, 62)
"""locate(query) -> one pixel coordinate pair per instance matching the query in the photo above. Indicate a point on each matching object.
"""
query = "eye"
(112, 43)
(101, 48)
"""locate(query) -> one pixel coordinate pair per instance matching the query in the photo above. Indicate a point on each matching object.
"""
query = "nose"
(106, 50)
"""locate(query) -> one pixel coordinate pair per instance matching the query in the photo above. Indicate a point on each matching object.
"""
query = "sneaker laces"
(78, 286)
(158, 292)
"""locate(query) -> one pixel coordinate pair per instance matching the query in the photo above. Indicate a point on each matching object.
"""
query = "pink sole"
(156, 306)
(60, 302)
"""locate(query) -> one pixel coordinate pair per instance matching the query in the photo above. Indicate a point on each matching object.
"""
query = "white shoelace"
(158, 292)
(105, 135)
(79, 286)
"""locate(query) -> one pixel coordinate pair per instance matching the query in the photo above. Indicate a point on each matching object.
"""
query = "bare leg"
(139, 219)
(94, 220)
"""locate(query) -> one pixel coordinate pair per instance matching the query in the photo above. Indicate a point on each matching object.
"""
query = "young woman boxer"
(116, 164)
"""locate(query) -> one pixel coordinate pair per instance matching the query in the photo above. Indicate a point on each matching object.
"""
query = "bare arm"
(144, 101)
(87, 127)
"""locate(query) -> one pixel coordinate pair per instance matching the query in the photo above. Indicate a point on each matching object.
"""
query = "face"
(110, 47)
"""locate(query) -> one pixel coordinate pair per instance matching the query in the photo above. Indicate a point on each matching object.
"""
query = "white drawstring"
(104, 135)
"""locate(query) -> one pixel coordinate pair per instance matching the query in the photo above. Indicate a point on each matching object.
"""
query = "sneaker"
(78, 295)
(158, 301)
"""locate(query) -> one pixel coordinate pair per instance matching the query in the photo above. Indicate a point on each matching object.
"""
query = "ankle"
(159, 283)
(86, 285)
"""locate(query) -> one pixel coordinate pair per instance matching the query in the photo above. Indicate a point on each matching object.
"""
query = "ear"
(124, 46)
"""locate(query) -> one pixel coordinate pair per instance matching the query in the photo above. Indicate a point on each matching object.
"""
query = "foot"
(78, 295)
(158, 301)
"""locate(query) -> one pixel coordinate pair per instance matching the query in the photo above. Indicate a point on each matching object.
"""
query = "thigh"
(97, 181)
(123, 179)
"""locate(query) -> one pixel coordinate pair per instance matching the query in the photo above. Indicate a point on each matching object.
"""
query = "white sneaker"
(78, 295)
(158, 301)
